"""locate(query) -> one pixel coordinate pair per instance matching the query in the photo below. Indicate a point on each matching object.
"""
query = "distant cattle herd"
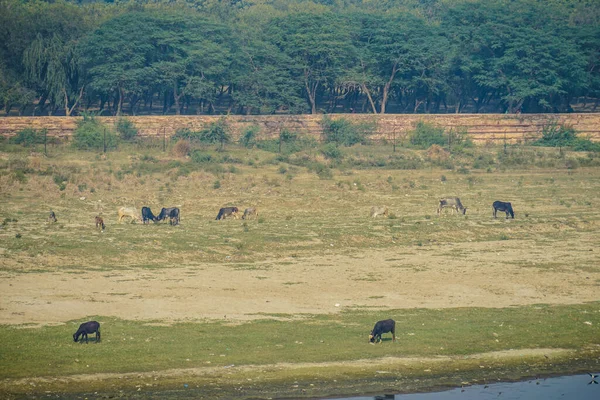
(173, 214)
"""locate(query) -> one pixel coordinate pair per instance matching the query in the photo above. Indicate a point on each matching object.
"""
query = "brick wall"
(482, 128)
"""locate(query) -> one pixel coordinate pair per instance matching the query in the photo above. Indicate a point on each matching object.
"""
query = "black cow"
(227, 212)
(85, 328)
(385, 326)
(503, 206)
(172, 213)
(147, 215)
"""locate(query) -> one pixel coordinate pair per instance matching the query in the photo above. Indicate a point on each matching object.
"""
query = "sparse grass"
(309, 215)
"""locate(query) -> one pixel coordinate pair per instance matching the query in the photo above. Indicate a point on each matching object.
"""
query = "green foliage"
(90, 134)
(424, 135)
(217, 132)
(249, 136)
(556, 135)
(200, 157)
(29, 137)
(126, 129)
(344, 132)
(186, 134)
(331, 151)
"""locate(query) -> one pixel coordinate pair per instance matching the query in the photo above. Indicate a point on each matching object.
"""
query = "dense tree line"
(296, 56)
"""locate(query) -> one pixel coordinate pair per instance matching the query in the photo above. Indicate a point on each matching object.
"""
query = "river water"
(575, 387)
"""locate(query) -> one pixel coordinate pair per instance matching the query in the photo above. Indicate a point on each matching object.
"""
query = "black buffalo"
(228, 212)
(147, 215)
(503, 206)
(85, 328)
(171, 213)
(385, 326)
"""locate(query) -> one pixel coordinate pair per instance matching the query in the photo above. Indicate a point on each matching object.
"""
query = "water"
(576, 387)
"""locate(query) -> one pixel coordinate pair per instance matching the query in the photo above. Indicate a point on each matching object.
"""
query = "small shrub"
(217, 184)
(344, 132)
(200, 157)
(282, 170)
(182, 148)
(186, 134)
(217, 132)
(248, 137)
(331, 151)
(126, 129)
(90, 134)
(20, 176)
(29, 137)
(425, 135)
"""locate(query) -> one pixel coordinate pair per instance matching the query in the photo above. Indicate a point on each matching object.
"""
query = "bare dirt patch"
(501, 274)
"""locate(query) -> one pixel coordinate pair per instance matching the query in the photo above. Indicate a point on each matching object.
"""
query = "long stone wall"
(482, 128)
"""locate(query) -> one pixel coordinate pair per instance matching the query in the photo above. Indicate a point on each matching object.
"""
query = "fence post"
(104, 141)
(164, 139)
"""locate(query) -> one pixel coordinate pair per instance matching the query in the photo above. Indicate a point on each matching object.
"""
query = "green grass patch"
(130, 346)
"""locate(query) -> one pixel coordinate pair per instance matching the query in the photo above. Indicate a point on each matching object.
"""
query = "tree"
(319, 49)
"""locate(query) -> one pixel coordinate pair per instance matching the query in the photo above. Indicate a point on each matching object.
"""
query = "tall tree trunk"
(387, 86)
(371, 102)
(311, 90)
(120, 105)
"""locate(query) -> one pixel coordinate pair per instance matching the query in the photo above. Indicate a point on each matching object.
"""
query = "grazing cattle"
(85, 329)
(453, 203)
(147, 215)
(375, 211)
(100, 222)
(128, 212)
(227, 212)
(248, 212)
(52, 217)
(385, 326)
(172, 213)
(503, 206)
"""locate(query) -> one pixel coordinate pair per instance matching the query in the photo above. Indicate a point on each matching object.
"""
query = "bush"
(248, 137)
(200, 157)
(182, 148)
(554, 135)
(331, 151)
(126, 129)
(344, 132)
(186, 134)
(217, 132)
(92, 135)
(29, 137)
(426, 135)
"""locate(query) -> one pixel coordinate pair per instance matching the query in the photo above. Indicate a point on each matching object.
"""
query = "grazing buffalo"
(503, 206)
(375, 211)
(52, 217)
(128, 212)
(227, 212)
(248, 212)
(85, 328)
(385, 326)
(172, 213)
(100, 222)
(453, 203)
(147, 215)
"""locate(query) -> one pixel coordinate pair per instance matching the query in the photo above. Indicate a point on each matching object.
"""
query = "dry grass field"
(312, 255)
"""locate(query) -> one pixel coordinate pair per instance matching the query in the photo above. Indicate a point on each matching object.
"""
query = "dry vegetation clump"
(182, 148)
(437, 153)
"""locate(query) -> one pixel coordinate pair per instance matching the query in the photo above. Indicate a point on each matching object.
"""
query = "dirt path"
(501, 274)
